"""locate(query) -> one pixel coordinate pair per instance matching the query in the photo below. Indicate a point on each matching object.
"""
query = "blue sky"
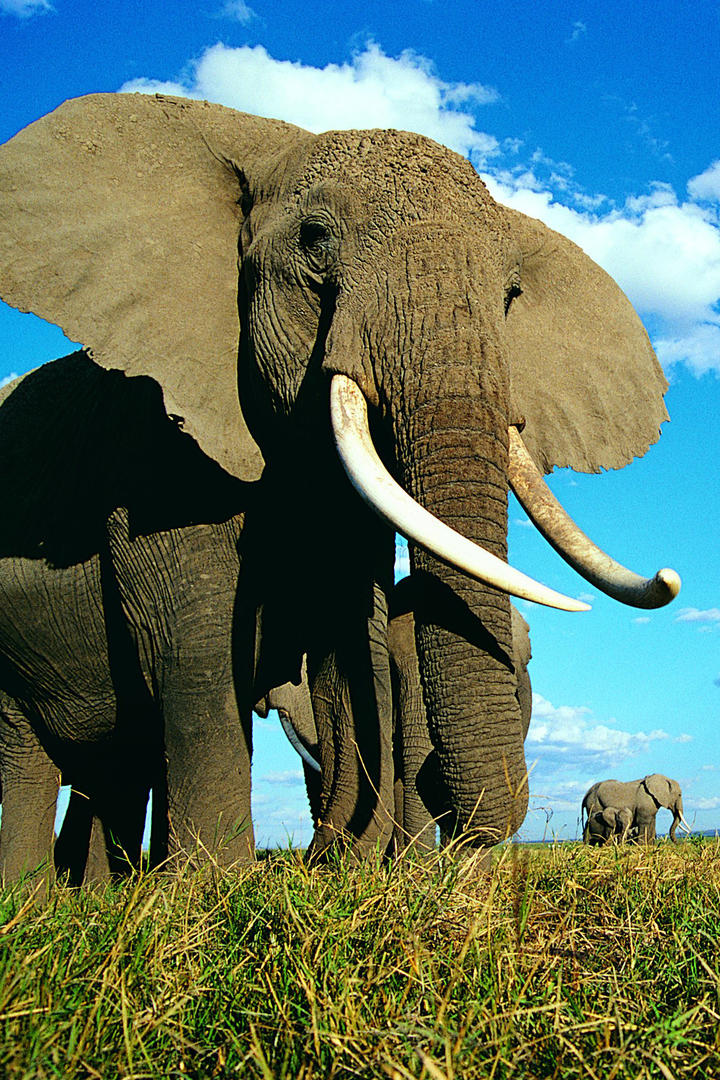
(602, 119)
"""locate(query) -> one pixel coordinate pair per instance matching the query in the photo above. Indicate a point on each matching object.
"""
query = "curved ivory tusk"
(574, 546)
(296, 743)
(684, 824)
(372, 481)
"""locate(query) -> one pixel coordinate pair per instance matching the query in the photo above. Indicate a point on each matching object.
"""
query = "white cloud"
(371, 90)
(237, 10)
(567, 732)
(8, 378)
(25, 8)
(286, 777)
(685, 738)
(706, 804)
(697, 615)
(641, 620)
(579, 30)
(706, 186)
(698, 347)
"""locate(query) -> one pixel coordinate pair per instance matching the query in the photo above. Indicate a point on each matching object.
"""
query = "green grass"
(561, 962)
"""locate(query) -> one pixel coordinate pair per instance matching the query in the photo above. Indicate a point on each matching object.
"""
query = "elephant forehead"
(420, 177)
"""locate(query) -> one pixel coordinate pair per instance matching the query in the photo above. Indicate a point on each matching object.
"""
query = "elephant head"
(293, 293)
(663, 792)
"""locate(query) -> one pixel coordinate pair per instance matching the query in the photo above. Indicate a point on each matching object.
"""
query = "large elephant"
(292, 293)
(642, 798)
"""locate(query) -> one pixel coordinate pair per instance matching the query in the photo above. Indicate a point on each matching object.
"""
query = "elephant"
(641, 798)
(352, 330)
(118, 576)
(610, 823)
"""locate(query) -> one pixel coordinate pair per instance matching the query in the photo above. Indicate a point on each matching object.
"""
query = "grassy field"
(562, 962)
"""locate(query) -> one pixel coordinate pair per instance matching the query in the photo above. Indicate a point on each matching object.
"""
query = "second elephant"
(418, 793)
(642, 798)
(119, 568)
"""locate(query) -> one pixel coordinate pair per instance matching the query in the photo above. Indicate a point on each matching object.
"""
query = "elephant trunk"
(678, 817)
(449, 418)
(464, 638)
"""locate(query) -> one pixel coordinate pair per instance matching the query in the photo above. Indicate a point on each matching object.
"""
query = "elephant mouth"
(375, 485)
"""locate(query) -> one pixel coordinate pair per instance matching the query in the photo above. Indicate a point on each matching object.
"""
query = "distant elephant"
(643, 798)
(301, 300)
(610, 823)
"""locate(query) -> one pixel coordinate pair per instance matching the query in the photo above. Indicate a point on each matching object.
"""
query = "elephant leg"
(352, 705)
(646, 830)
(313, 787)
(414, 824)
(208, 749)
(73, 842)
(81, 851)
(30, 785)
(357, 799)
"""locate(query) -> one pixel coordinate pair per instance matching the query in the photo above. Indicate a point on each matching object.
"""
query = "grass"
(561, 962)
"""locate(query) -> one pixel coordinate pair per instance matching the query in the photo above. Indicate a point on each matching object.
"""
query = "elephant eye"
(319, 244)
(513, 289)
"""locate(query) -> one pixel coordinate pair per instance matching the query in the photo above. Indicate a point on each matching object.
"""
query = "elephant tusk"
(372, 481)
(296, 743)
(685, 825)
(574, 546)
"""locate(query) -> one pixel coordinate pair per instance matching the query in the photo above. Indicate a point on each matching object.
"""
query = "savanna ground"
(563, 961)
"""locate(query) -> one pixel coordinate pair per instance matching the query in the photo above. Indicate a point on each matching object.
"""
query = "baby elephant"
(608, 824)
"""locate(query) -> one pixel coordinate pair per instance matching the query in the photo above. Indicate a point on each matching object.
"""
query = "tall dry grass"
(560, 962)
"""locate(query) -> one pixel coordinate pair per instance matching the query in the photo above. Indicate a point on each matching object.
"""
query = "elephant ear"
(659, 787)
(119, 221)
(583, 372)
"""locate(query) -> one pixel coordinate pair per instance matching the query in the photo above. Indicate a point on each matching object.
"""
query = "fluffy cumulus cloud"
(712, 803)
(569, 733)
(706, 617)
(24, 8)
(706, 186)
(5, 379)
(370, 90)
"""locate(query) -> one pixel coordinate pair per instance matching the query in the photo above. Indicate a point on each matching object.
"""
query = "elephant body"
(283, 300)
(117, 594)
(640, 798)
(608, 824)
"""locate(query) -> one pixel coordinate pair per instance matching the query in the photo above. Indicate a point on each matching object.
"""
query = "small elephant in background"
(643, 798)
(608, 824)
